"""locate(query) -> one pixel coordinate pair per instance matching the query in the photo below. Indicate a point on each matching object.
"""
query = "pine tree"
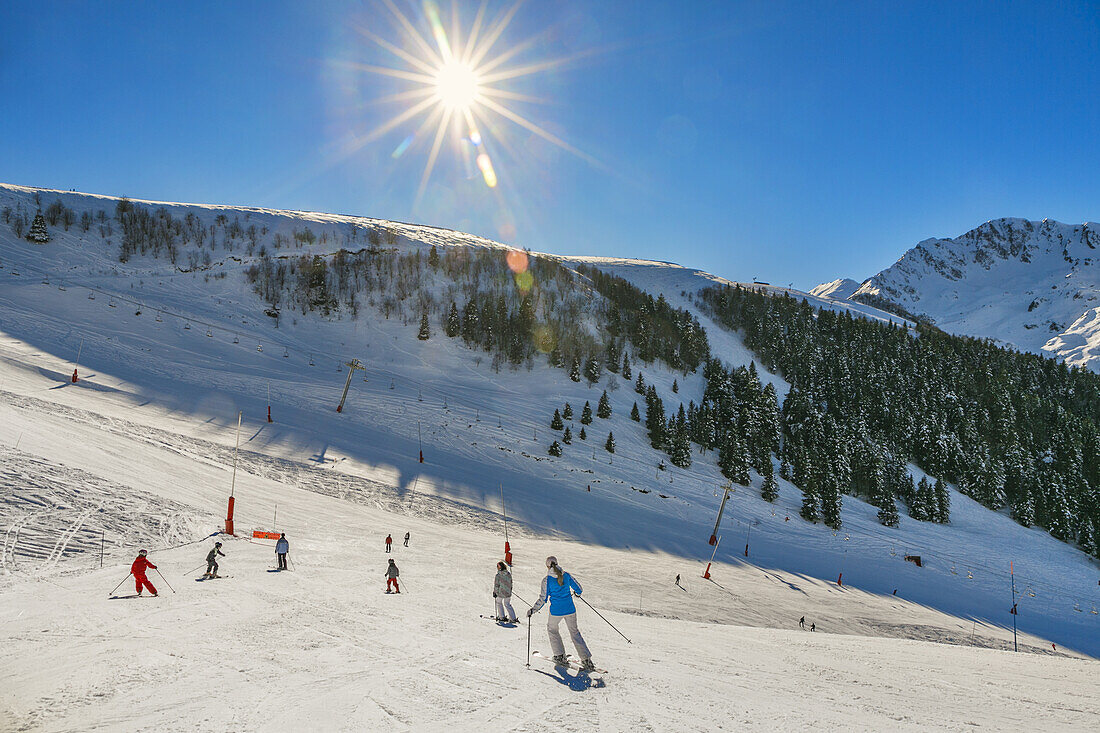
(830, 508)
(586, 414)
(943, 501)
(582, 435)
(454, 325)
(556, 359)
(575, 370)
(634, 414)
(639, 386)
(38, 232)
(887, 507)
(425, 332)
(655, 419)
(679, 445)
(770, 490)
(611, 358)
(567, 413)
(609, 446)
(918, 503)
(603, 409)
(675, 386)
(593, 370)
(555, 449)
(567, 436)
(626, 366)
(433, 258)
(733, 460)
(471, 323)
(555, 422)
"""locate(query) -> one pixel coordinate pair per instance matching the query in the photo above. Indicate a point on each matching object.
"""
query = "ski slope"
(140, 452)
(323, 648)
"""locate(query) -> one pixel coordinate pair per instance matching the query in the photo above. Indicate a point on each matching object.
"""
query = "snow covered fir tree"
(38, 233)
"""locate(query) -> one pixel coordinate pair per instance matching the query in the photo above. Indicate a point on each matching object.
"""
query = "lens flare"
(456, 83)
(517, 260)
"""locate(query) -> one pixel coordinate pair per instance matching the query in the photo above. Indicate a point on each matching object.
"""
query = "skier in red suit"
(138, 570)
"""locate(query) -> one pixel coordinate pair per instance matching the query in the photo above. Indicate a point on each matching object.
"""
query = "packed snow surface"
(140, 452)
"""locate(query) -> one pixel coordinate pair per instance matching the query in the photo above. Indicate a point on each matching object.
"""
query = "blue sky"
(792, 142)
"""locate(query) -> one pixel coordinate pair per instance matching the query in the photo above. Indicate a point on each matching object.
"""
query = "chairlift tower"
(352, 365)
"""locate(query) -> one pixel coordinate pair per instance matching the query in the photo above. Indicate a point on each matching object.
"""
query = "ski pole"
(165, 580)
(528, 642)
(628, 641)
(193, 570)
(119, 585)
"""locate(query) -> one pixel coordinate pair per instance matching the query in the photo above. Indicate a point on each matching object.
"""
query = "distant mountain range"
(1030, 285)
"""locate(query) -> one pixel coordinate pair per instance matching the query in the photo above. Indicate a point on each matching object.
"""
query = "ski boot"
(561, 660)
(513, 620)
(587, 665)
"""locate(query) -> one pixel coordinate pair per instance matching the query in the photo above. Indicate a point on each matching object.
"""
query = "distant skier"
(391, 578)
(407, 535)
(212, 561)
(389, 541)
(813, 627)
(677, 579)
(802, 622)
(557, 586)
(138, 569)
(502, 592)
(282, 547)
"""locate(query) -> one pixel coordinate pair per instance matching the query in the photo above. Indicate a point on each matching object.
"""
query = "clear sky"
(791, 142)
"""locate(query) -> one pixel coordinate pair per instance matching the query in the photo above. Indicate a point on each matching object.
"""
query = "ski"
(570, 663)
(132, 595)
(509, 624)
(216, 577)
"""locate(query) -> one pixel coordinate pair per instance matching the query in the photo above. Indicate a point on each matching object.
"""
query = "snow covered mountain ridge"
(1029, 285)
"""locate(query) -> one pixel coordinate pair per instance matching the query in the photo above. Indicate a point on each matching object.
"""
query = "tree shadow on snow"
(578, 682)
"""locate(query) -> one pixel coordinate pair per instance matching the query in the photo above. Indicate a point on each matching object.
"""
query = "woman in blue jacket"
(558, 586)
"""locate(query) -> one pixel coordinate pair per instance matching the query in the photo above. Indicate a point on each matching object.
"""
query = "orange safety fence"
(259, 534)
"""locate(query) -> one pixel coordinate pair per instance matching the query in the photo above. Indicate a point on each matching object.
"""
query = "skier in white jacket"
(559, 587)
(502, 592)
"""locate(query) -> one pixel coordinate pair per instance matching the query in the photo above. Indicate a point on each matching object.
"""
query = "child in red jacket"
(138, 570)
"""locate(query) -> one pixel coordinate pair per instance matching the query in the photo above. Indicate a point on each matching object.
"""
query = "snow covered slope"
(139, 451)
(1034, 286)
(841, 289)
(323, 648)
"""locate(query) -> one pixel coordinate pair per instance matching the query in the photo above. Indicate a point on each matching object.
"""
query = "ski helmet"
(217, 544)
(551, 561)
(143, 553)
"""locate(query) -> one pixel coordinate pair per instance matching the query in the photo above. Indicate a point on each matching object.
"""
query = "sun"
(454, 84)
(457, 86)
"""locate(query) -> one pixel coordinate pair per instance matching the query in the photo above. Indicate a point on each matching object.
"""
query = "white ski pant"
(555, 637)
(504, 604)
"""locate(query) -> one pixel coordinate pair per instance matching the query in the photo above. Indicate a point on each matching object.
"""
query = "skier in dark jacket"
(389, 542)
(138, 570)
(212, 560)
(282, 547)
(391, 577)
(407, 535)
